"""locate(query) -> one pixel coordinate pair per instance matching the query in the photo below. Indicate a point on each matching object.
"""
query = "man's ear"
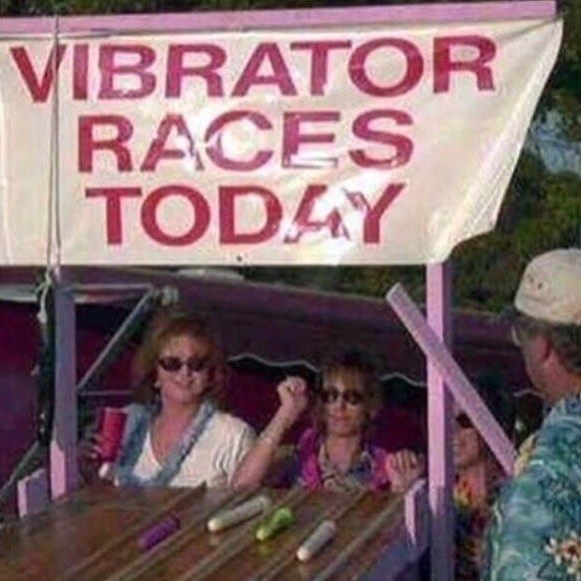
(541, 348)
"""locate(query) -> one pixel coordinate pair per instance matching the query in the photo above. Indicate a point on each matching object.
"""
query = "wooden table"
(93, 535)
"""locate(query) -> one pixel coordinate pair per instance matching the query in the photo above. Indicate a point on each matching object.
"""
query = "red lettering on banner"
(318, 211)
(199, 206)
(158, 150)
(215, 133)
(293, 138)
(134, 71)
(176, 70)
(110, 70)
(114, 219)
(272, 208)
(359, 73)
(403, 145)
(88, 144)
(372, 214)
(280, 76)
(38, 89)
(303, 223)
(320, 60)
(478, 66)
(80, 72)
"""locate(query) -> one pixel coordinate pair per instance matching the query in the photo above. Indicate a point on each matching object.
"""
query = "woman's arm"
(293, 400)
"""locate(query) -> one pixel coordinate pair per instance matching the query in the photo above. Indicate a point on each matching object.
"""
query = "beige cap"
(550, 289)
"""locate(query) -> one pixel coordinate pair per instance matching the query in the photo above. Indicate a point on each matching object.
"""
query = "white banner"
(353, 145)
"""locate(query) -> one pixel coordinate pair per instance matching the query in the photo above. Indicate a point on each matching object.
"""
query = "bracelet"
(268, 437)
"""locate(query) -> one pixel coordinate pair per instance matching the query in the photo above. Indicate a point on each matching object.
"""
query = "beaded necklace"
(173, 462)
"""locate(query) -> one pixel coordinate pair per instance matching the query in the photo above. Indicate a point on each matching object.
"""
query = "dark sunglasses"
(350, 396)
(464, 421)
(175, 364)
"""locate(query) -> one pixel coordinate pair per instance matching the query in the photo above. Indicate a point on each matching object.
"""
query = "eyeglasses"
(350, 396)
(515, 337)
(175, 364)
(464, 421)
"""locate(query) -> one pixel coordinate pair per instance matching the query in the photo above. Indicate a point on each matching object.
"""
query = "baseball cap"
(550, 288)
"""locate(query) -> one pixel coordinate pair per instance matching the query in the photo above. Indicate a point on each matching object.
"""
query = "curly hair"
(358, 366)
(166, 324)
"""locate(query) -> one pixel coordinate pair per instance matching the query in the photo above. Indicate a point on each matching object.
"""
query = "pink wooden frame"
(268, 19)
(33, 493)
(440, 413)
(438, 298)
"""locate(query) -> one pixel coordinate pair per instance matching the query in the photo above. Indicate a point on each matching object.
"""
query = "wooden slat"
(360, 540)
(192, 524)
(48, 545)
(92, 566)
(238, 542)
(94, 536)
(286, 554)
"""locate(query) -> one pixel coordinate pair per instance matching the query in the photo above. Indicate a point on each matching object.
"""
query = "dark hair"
(565, 339)
(166, 324)
(359, 362)
(499, 399)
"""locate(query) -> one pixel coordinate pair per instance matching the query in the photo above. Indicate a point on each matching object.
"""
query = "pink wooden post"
(416, 519)
(457, 383)
(63, 457)
(440, 425)
(32, 493)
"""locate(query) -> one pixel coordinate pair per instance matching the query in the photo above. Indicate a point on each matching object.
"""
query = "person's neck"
(178, 415)
(563, 386)
(341, 450)
(557, 382)
(475, 477)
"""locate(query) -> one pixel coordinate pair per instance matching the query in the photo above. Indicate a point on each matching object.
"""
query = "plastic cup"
(112, 422)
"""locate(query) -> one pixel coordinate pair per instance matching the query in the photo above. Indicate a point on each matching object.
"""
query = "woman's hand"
(292, 393)
(89, 455)
(403, 468)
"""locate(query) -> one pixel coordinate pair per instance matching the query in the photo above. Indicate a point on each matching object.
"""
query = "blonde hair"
(359, 365)
(166, 324)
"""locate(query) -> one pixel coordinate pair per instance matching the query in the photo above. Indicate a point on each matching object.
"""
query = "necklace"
(173, 461)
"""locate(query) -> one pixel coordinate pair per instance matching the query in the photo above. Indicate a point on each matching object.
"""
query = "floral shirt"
(536, 523)
(472, 518)
(308, 465)
(358, 476)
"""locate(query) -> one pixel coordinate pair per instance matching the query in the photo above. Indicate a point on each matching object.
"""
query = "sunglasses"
(350, 396)
(464, 421)
(175, 364)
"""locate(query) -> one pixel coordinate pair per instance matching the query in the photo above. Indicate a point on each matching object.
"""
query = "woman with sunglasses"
(335, 454)
(179, 437)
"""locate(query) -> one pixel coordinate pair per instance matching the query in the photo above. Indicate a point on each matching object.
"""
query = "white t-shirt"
(213, 459)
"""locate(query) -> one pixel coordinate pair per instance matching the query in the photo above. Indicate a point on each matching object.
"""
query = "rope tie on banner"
(42, 290)
(53, 261)
(46, 363)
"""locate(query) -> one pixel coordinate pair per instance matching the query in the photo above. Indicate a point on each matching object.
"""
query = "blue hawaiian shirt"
(535, 529)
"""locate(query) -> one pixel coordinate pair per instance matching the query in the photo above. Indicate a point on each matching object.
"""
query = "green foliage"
(563, 93)
(541, 211)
